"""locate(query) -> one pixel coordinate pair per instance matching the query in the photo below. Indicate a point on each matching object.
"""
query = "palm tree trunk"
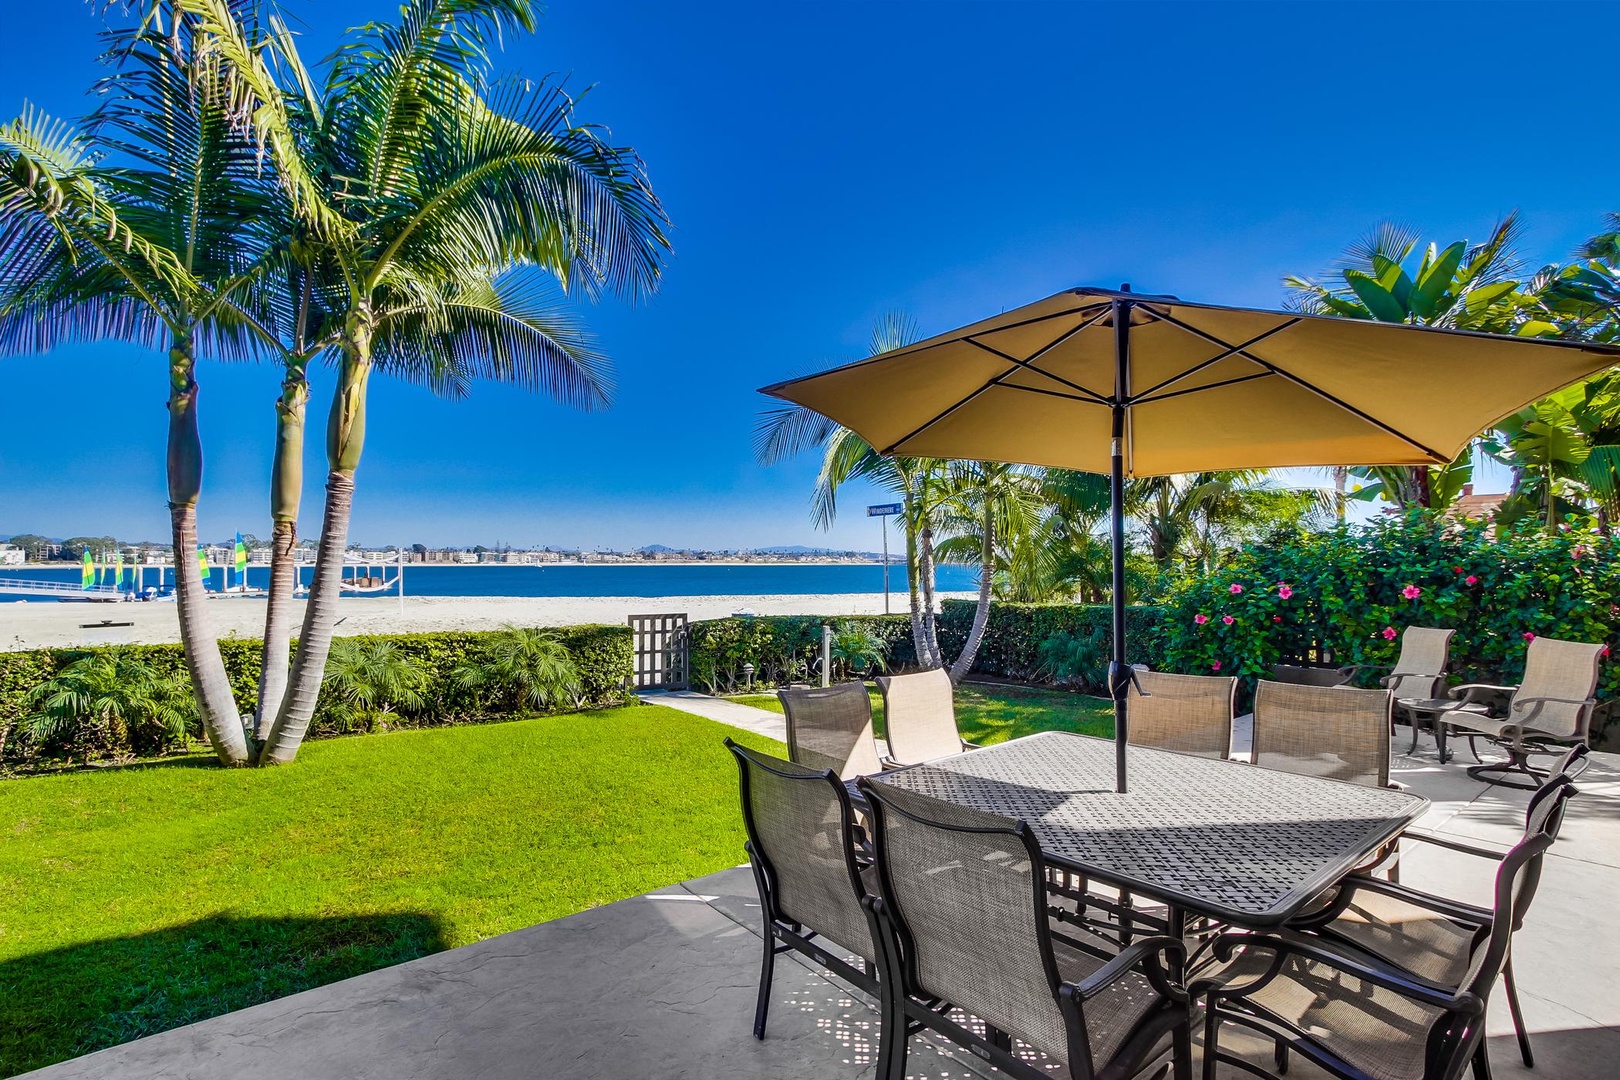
(216, 705)
(286, 488)
(345, 438)
(1341, 480)
(981, 614)
(925, 572)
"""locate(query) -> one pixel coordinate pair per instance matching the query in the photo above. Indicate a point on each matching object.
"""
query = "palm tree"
(784, 431)
(989, 506)
(117, 691)
(1461, 287)
(417, 189)
(525, 668)
(151, 252)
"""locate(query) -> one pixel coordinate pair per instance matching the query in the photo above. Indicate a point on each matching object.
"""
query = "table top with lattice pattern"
(1226, 839)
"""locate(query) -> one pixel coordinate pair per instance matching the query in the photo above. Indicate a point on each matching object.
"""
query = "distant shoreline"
(68, 564)
(51, 625)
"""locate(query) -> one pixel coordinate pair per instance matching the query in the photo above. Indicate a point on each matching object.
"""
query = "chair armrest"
(1519, 703)
(1455, 910)
(1476, 691)
(1318, 951)
(972, 745)
(1396, 676)
(1143, 953)
(1428, 836)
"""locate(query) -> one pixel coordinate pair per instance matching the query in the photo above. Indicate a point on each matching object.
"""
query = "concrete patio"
(663, 984)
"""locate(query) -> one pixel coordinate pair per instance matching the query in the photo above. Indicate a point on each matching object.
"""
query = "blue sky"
(826, 163)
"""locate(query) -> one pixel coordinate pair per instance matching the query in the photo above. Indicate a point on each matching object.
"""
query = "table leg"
(1177, 929)
(1440, 739)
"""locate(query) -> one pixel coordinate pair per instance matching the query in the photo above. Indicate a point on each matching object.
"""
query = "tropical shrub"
(366, 681)
(1345, 596)
(1013, 639)
(602, 657)
(113, 702)
(522, 668)
(1079, 659)
(856, 649)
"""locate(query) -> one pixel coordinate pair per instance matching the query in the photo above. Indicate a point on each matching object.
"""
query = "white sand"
(41, 625)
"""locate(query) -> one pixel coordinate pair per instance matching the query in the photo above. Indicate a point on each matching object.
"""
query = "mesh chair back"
(1557, 669)
(1425, 652)
(799, 828)
(1328, 731)
(1191, 714)
(919, 716)
(831, 728)
(966, 889)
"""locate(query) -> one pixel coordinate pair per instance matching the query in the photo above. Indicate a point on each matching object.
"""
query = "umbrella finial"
(1125, 286)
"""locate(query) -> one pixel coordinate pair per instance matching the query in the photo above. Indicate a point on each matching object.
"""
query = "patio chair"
(1430, 936)
(1330, 731)
(1191, 714)
(1549, 710)
(919, 717)
(1419, 673)
(802, 847)
(1355, 1016)
(962, 898)
(831, 728)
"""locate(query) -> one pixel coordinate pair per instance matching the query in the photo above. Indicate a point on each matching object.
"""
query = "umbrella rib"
(1093, 397)
(1196, 368)
(921, 345)
(1434, 455)
(1200, 389)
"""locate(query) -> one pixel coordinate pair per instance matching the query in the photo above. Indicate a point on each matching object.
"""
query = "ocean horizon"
(594, 579)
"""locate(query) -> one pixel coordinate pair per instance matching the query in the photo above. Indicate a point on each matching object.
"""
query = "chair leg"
(1473, 748)
(1413, 748)
(766, 970)
(1518, 1016)
(1279, 1054)
(1212, 1024)
(1482, 1063)
(1181, 1067)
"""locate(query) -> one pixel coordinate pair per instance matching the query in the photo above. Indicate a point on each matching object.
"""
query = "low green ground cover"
(992, 712)
(136, 899)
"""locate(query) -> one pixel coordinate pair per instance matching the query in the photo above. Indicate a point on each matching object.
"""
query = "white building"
(12, 556)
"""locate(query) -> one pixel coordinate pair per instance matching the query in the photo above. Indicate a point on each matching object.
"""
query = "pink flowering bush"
(1350, 593)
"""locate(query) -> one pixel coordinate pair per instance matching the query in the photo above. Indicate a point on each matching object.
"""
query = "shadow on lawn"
(71, 1001)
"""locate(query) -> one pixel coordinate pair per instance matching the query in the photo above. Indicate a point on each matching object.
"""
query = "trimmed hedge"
(603, 655)
(784, 648)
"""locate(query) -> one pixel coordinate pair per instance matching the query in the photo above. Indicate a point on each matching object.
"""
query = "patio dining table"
(1224, 839)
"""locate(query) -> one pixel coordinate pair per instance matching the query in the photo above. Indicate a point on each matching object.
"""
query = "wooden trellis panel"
(661, 651)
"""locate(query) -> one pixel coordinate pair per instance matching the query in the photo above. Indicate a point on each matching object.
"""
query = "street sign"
(883, 509)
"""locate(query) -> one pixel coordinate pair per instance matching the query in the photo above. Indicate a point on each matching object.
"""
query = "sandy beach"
(44, 625)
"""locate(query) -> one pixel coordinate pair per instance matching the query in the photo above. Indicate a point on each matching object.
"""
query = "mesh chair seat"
(1413, 938)
(1476, 718)
(1374, 1030)
(1113, 1015)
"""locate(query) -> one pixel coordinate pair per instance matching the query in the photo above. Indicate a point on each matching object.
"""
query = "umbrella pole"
(1119, 675)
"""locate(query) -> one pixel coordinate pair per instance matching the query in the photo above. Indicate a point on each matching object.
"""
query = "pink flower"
(1456, 569)
(1411, 592)
(1284, 592)
(1235, 589)
(1389, 633)
(1471, 580)
(1528, 636)
(1276, 618)
(1228, 620)
(1200, 619)
(1578, 551)
(1216, 666)
(1604, 652)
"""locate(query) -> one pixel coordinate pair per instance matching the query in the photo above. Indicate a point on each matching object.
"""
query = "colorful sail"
(117, 568)
(202, 563)
(241, 560)
(87, 570)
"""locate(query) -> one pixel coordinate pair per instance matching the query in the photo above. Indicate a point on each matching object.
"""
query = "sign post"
(883, 511)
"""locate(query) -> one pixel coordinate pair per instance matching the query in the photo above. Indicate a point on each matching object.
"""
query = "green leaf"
(1383, 306)
(1435, 281)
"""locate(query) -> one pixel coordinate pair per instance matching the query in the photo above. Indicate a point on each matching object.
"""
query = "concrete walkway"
(663, 985)
(760, 721)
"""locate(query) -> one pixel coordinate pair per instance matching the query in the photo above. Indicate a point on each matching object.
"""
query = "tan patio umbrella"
(1138, 385)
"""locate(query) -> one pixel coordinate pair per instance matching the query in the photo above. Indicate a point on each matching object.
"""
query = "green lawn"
(992, 713)
(133, 900)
